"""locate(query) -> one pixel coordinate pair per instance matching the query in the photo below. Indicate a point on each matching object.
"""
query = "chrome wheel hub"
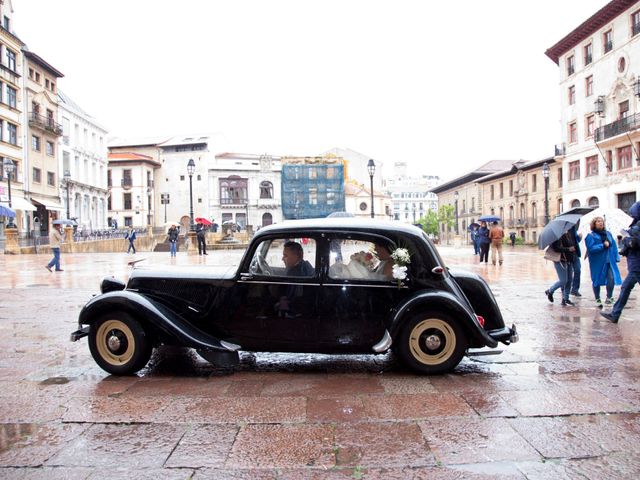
(433, 342)
(114, 343)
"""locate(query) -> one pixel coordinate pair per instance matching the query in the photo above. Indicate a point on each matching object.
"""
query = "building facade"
(598, 64)
(42, 176)
(12, 120)
(245, 189)
(83, 166)
(411, 196)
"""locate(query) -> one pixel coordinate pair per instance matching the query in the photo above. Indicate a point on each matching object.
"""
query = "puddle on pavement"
(38, 285)
(12, 433)
(55, 381)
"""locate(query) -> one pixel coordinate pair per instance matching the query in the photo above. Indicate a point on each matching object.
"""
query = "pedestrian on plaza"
(55, 239)
(602, 252)
(496, 235)
(512, 237)
(131, 236)
(577, 266)
(172, 238)
(215, 227)
(474, 241)
(631, 250)
(483, 236)
(201, 235)
(566, 247)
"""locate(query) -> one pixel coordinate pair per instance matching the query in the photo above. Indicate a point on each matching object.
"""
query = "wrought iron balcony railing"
(560, 149)
(126, 182)
(45, 123)
(612, 129)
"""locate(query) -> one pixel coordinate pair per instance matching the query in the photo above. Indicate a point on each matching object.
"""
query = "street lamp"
(9, 167)
(67, 177)
(455, 197)
(191, 167)
(164, 200)
(371, 167)
(545, 174)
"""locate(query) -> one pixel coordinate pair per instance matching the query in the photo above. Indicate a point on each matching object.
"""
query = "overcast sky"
(444, 86)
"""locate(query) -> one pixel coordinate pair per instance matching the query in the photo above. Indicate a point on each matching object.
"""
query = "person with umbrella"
(55, 239)
(484, 241)
(565, 246)
(603, 257)
(201, 235)
(630, 249)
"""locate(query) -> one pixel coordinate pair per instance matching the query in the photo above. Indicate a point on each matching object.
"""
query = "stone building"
(83, 165)
(598, 65)
(12, 121)
(411, 195)
(42, 176)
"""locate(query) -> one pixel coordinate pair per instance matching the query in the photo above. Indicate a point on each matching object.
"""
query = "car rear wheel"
(119, 344)
(431, 343)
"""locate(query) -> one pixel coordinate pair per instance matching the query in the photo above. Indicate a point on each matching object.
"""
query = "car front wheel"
(119, 344)
(431, 343)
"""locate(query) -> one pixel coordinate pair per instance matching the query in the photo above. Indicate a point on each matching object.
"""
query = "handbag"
(551, 254)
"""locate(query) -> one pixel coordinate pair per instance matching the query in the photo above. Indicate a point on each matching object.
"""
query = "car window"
(353, 259)
(285, 257)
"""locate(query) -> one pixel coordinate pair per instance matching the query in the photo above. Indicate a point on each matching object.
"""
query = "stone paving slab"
(562, 403)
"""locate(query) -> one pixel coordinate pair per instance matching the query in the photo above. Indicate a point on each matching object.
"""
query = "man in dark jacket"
(630, 249)
(201, 235)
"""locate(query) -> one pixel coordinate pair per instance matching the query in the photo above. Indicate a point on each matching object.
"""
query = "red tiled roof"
(130, 156)
(598, 20)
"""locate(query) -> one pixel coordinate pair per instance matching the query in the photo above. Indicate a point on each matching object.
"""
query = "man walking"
(131, 236)
(630, 249)
(55, 239)
(496, 234)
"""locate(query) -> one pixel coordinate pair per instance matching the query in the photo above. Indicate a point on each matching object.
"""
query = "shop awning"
(19, 203)
(47, 203)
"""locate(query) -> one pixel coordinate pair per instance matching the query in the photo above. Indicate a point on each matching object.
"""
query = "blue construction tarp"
(312, 190)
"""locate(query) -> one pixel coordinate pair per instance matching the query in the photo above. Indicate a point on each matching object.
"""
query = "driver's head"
(292, 254)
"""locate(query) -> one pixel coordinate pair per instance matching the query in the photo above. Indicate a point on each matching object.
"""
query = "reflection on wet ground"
(562, 403)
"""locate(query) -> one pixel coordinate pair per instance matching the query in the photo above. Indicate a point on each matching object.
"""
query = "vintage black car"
(302, 286)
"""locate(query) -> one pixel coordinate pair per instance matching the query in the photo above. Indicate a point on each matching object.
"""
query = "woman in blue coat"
(483, 240)
(603, 260)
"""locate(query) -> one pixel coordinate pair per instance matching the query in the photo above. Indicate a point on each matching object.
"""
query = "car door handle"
(246, 276)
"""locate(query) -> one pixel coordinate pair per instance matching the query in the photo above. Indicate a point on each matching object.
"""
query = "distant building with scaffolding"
(312, 187)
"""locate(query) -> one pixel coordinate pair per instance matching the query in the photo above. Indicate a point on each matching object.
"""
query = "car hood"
(197, 272)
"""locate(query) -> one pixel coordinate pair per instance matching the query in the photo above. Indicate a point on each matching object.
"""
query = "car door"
(356, 300)
(281, 306)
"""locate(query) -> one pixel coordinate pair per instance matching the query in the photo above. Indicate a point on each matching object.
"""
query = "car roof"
(340, 223)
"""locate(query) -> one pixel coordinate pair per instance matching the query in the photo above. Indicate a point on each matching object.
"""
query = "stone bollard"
(192, 246)
(68, 234)
(11, 245)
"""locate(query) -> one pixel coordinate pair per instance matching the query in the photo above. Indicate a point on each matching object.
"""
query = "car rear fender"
(447, 303)
(154, 314)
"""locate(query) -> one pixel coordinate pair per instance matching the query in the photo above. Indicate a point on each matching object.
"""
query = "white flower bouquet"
(401, 259)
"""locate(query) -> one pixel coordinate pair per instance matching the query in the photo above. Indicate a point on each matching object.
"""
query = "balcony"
(234, 201)
(126, 183)
(560, 150)
(623, 125)
(45, 124)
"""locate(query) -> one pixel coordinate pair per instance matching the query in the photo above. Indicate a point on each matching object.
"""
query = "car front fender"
(446, 303)
(155, 314)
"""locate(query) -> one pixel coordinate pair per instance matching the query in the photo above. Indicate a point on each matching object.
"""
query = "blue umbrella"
(489, 218)
(7, 212)
(556, 228)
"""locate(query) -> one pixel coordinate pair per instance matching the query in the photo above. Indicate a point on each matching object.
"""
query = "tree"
(446, 217)
(430, 223)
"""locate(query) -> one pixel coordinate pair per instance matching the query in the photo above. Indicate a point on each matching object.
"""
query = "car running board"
(481, 353)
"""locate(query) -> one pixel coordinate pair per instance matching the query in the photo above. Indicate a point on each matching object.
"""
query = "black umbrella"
(556, 228)
(473, 226)
(489, 218)
(64, 221)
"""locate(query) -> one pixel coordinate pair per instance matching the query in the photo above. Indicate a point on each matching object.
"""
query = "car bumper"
(505, 335)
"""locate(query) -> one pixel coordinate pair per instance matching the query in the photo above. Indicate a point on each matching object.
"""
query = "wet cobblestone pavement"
(562, 403)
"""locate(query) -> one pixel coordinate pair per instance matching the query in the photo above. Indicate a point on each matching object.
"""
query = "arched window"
(534, 211)
(501, 213)
(267, 219)
(575, 203)
(511, 213)
(266, 189)
(594, 202)
(522, 212)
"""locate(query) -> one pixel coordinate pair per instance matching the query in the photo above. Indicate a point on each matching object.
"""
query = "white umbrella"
(614, 221)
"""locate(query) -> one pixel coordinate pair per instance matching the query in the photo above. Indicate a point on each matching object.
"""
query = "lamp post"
(371, 167)
(67, 177)
(9, 167)
(191, 167)
(164, 199)
(545, 175)
(455, 197)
